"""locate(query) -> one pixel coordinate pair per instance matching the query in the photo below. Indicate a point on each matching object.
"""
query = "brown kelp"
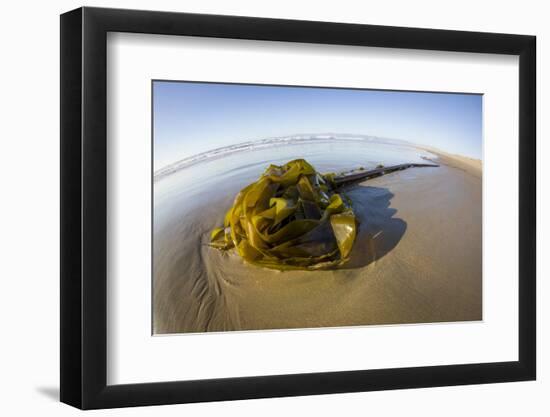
(290, 218)
(293, 217)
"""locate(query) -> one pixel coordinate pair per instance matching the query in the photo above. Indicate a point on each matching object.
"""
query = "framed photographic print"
(257, 207)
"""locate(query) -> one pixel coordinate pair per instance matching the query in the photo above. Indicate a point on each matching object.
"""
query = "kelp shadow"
(379, 231)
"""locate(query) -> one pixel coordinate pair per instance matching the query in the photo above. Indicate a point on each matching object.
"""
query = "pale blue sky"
(190, 118)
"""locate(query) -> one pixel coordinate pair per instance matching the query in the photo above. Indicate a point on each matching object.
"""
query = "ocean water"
(236, 170)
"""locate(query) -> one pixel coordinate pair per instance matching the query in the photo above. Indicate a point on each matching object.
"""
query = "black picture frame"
(84, 207)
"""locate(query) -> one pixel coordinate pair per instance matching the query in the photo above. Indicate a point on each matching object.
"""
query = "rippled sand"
(417, 259)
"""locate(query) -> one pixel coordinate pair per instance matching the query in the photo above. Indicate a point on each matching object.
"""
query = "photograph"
(300, 207)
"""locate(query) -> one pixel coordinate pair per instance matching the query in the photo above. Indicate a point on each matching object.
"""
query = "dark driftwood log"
(354, 176)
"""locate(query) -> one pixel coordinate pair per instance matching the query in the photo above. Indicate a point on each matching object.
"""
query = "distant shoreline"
(470, 165)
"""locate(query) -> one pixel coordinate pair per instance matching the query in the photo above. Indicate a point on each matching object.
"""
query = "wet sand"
(417, 259)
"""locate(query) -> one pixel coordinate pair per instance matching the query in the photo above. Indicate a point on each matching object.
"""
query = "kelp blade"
(290, 218)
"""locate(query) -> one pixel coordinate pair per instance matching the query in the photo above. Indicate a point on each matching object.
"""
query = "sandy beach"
(417, 259)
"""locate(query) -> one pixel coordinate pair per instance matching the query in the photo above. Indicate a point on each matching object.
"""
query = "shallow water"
(197, 288)
(235, 171)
